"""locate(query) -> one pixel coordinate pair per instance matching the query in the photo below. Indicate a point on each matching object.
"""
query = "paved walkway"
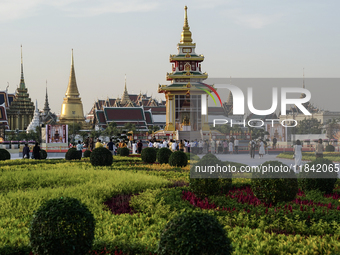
(247, 160)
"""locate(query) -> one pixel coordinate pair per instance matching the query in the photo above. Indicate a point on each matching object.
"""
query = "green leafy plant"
(72, 153)
(4, 154)
(43, 154)
(330, 148)
(87, 154)
(318, 175)
(62, 226)
(149, 155)
(101, 157)
(204, 187)
(124, 151)
(194, 233)
(163, 155)
(274, 186)
(192, 156)
(178, 158)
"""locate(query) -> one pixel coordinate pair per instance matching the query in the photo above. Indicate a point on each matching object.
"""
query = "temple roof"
(124, 113)
(72, 89)
(3, 115)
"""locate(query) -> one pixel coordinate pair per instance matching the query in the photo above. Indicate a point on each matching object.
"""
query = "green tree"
(153, 128)
(111, 130)
(332, 127)
(308, 126)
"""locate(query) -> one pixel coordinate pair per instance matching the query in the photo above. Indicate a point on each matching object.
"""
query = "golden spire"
(22, 81)
(186, 34)
(72, 89)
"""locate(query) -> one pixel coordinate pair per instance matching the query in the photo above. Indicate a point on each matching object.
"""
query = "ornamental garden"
(149, 205)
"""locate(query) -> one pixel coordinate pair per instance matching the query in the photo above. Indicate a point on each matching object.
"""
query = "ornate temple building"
(72, 107)
(139, 109)
(20, 107)
(183, 95)
(47, 117)
(35, 121)
(145, 111)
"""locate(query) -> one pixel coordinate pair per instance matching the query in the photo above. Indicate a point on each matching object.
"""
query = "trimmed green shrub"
(72, 153)
(4, 154)
(213, 186)
(101, 157)
(330, 148)
(275, 185)
(178, 158)
(194, 233)
(87, 154)
(62, 226)
(163, 155)
(124, 152)
(192, 156)
(43, 154)
(315, 176)
(149, 155)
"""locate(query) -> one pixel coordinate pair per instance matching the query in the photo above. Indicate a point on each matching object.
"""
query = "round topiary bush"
(4, 154)
(149, 155)
(178, 158)
(101, 157)
(205, 184)
(43, 154)
(192, 156)
(62, 226)
(163, 155)
(277, 184)
(330, 148)
(194, 233)
(318, 175)
(87, 153)
(72, 153)
(124, 152)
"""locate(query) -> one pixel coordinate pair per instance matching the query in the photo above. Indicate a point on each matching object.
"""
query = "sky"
(110, 38)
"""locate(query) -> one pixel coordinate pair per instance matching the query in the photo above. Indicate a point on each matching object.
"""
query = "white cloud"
(16, 9)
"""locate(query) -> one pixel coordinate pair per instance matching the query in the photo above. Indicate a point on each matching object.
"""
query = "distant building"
(21, 108)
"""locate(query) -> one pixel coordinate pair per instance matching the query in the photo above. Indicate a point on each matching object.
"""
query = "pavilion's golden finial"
(186, 34)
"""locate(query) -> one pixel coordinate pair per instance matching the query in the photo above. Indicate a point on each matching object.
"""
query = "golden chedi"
(72, 107)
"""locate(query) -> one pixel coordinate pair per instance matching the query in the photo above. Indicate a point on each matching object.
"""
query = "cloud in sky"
(17, 9)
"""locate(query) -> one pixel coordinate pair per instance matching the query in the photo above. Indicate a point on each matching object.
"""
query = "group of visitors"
(253, 145)
(35, 152)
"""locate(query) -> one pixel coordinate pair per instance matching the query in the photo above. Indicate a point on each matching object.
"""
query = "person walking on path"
(231, 149)
(36, 151)
(79, 148)
(26, 151)
(298, 155)
(274, 142)
(98, 144)
(139, 147)
(319, 149)
(110, 146)
(261, 149)
(236, 145)
(134, 147)
(252, 148)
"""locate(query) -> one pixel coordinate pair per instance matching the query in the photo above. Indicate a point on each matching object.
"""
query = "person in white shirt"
(231, 147)
(236, 145)
(156, 145)
(200, 145)
(150, 144)
(173, 146)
